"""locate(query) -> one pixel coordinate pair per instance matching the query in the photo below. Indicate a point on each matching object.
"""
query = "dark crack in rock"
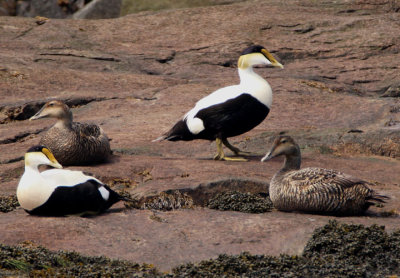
(8, 203)
(20, 137)
(239, 201)
(9, 113)
(19, 113)
(392, 91)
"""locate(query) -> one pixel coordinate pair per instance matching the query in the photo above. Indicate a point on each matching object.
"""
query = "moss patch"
(239, 201)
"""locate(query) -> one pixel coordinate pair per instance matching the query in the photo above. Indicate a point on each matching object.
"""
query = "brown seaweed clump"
(239, 201)
(164, 201)
(356, 249)
(40, 262)
(168, 201)
(335, 250)
(8, 203)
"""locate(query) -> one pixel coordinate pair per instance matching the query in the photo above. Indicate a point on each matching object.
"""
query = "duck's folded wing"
(312, 180)
(87, 129)
(239, 114)
(66, 200)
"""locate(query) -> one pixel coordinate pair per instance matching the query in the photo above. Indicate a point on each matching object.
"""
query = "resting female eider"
(232, 110)
(315, 189)
(73, 143)
(58, 192)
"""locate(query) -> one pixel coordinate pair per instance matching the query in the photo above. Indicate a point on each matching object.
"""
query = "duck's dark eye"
(51, 104)
(283, 141)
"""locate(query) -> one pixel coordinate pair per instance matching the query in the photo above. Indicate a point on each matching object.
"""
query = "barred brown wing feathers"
(321, 177)
(325, 190)
(87, 129)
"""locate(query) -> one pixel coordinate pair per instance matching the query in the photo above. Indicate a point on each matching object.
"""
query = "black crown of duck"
(58, 192)
(315, 189)
(72, 143)
(232, 110)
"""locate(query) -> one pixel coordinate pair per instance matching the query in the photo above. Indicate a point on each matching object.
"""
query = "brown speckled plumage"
(73, 143)
(315, 189)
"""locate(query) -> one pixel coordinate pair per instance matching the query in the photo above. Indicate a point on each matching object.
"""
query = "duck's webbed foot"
(220, 153)
(235, 150)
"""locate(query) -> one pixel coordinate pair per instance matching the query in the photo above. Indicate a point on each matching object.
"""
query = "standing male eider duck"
(315, 189)
(73, 143)
(58, 192)
(232, 110)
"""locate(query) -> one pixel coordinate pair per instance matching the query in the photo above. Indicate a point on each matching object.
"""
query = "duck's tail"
(378, 198)
(161, 138)
(375, 199)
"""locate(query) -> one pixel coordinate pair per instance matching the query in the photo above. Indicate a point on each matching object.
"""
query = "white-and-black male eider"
(58, 192)
(73, 143)
(232, 110)
(315, 189)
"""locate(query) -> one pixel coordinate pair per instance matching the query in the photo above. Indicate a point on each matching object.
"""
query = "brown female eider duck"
(73, 143)
(58, 192)
(315, 189)
(232, 110)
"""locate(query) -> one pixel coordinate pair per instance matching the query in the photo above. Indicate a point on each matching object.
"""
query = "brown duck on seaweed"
(315, 189)
(73, 143)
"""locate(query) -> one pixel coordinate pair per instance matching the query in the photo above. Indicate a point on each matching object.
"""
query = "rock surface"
(79, 9)
(98, 9)
(136, 75)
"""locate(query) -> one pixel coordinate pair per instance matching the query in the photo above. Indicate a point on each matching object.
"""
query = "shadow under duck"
(315, 189)
(73, 143)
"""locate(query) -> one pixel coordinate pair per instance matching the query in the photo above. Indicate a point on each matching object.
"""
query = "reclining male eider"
(58, 192)
(72, 143)
(232, 110)
(315, 189)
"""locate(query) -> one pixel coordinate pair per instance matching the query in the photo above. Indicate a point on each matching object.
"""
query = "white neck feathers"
(254, 84)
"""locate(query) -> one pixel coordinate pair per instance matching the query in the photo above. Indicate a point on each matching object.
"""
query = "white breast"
(33, 190)
(255, 85)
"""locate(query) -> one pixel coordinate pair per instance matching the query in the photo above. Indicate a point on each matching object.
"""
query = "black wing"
(81, 198)
(232, 117)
